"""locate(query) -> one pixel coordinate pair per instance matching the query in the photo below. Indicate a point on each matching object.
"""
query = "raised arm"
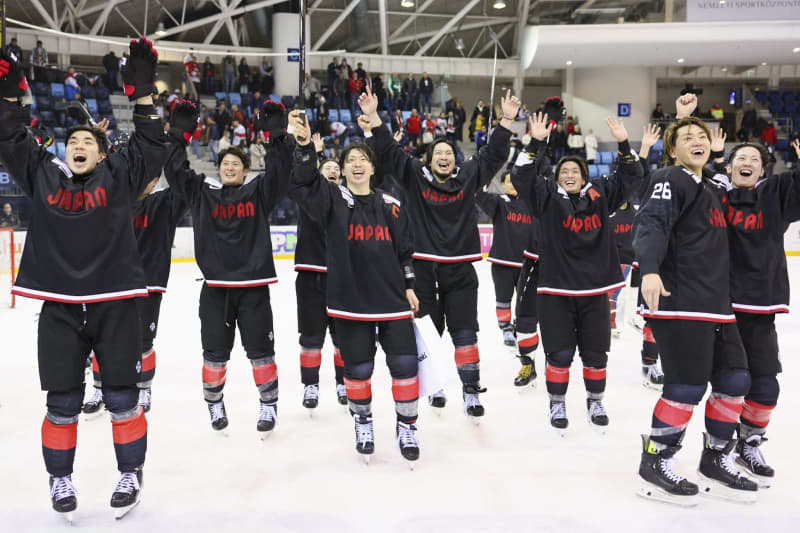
(789, 186)
(274, 183)
(628, 172)
(526, 175)
(179, 174)
(494, 154)
(306, 186)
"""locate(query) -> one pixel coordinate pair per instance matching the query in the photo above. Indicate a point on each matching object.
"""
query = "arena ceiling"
(450, 28)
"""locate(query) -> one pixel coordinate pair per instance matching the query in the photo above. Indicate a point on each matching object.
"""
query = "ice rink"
(510, 473)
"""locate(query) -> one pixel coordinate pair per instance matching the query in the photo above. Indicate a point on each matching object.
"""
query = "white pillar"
(285, 28)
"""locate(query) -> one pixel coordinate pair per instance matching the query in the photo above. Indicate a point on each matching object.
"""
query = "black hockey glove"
(139, 70)
(42, 136)
(275, 121)
(12, 78)
(183, 120)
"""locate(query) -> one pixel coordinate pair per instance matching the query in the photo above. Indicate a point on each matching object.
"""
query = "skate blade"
(475, 420)
(651, 492)
(524, 389)
(763, 481)
(600, 430)
(120, 512)
(93, 416)
(310, 412)
(68, 517)
(366, 458)
(222, 433)
(712, 488)
(265, 435)
(561, 432)
(652, 386)
(616, 333)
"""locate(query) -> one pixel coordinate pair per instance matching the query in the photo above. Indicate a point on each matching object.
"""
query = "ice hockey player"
(370, 281)
(441, 204)
(579, 265)
(231, 229)
(681, 243)
(80, 257)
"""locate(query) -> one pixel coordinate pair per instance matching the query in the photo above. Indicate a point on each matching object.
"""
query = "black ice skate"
(527, 374)
(267, 418)
(127, 493)
(311, 396)
(718, 476)
(472, 404)
(596, 414)
(341, 394)
(94, 405)
(145, 398)
(219, 420)
(558, 416)
(437, 400)
(365, 436)
(658, 481)
(748, 454)
(64, 496)
(509, 339)
(407, 441)
(653, 376)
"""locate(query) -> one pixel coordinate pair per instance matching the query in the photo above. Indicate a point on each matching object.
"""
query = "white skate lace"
(311, 392)
(596, 409)
(508, 335)
(558, 410)
(144, 397)
(665, 465)
(406, 436)
(654, 372)
(62, 488)
(97, 396)
(727, 462)
(267, 412)
(217, 411)
(341, 391)
(471, 400)
(752, 453)
(364, 433)
(128, 482)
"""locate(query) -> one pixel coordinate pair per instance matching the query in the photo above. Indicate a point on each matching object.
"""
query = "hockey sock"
(673, 412)
(557, 372)
(60, 431)
(357, 380)
(594, 373)
(527, 338)
(338, 366)
(649, 347)
(128, 426)
(213, 379)
(724, 404)
(148, 369)
(310, 359)
(405, 386)
(467, 356)
(758, 405)
(97, 377)
(265, 374)
(503, 311)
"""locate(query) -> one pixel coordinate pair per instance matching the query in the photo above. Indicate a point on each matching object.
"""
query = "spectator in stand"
(257, 154)
(558, 142)
(409, 92)
(570, 125)
(523, 113)
(13, 48)
(452, 124)
(792, 159)
(413, 127)
(461, 119)
(441, 125)
(111, 64)
(658, 113)
(244, 76)
(195, 77)
(71, 87)
(259, 99)
(267, 77)
(39, 62)
(426, 90)
(323, 126)
(8, 219)
(575, 142)
(344, 67)
(311, 88)
(397, 121)
(379, 90)
(341, 90)
(429, 129)
(590, 144)
(228, 73)
(208, 76)
(356, 85)
(480, 118)
(203, 119)
(236, 114)
(333, 75)
(749, 120)
(769, 135)
(224, 142)
(480, 137)
(335, 149)
(394, 87)
(188, 68)
(361, 73)
(222, 118)
(239, 133)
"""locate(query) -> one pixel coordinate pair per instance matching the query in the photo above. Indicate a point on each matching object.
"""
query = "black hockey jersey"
(621, 222)
(578, 254)
(756, 221)
(232, 240)
(680, 233)
(80, 245)
(443, 215)
(513, 224)
(311, 251)
(154, 221)
(369, 246)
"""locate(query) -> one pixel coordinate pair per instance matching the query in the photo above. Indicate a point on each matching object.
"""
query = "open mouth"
(570, 183)
(698, 152)
(79, 158)
(745, 172)
(443, 167)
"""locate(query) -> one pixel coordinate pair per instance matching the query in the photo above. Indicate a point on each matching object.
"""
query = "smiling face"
(570, 178)
(443, 160)
(746, 167)
(358, 170)
(330, 171)
(692, 147)
(232, 170)
(83, 152)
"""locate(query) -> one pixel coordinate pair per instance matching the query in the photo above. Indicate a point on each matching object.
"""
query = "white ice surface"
(511, 473)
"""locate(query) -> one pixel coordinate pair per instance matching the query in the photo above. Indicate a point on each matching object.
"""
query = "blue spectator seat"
(659, 146)
(790, 107)
(48, 118)
(604, 170)
(221, 96)
(385, 118)
(333, 115)
(43, 103)
(761, 97)
(235, 99)
(41, 89)
(60, 134)
(783, 144)
(101, 93)
(52, 149)
(774, 96)
(247, 102)
(788, 96)
(311, 114)
(604, 158)
(288, 102)
(593, 171)
(57, 90)
(33, 103)
(104, 106)
(88, 91)
(52, 76)
(61, 150)
(776, 107)
(275, 97)
(406, 114)
(344, 116)
(92, 105)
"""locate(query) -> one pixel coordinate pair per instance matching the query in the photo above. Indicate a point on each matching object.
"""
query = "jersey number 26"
(661, 191)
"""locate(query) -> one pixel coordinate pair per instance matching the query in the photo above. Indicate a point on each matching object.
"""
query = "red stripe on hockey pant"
(556, 374)
(95, 366)
(265, 373)
(310, 358)
(527, 342)
(149, 361)
(673, 413)
(357, 389)
(647, 333)
(405, 390)
(214, 375)
(503, 315)
(467, 354)
(756, 414)
(59, 437)
(594, 373)
(337, 358)
(724, 409)
(129, 430)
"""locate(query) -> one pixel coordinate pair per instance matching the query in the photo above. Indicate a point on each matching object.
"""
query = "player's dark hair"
(98, 134)
(578, 161)
(361, 147)
(329, 160)
(238, 152)
(762, 152)
(671, 135)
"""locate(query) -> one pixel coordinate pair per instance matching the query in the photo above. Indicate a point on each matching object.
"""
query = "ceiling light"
(680, 60)
(499, 5)
(160, 31)
(722, 2)
(724, 69)
(407, 3)
(764, 64)
(795, 50)
(459, 44)
(569, 62)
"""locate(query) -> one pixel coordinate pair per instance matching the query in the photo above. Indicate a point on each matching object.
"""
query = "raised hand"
(796, 146)
(718, 137)
(398, 135)
(300, 128)
(183, 120)
(368, 102)
(319, 144)
(540, 126)
(364, 123)
(139, 70)
(685, 105)
(617, 129)
(103, 125)
(650, 135)
(510, 105)
(12, 78)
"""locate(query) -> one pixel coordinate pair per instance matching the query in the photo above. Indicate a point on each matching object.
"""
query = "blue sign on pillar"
(623, 110)
(294, 55)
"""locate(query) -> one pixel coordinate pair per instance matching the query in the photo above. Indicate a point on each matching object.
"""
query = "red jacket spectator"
(356, 85)
(414, 124)
(430, 125)
(769, 135)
